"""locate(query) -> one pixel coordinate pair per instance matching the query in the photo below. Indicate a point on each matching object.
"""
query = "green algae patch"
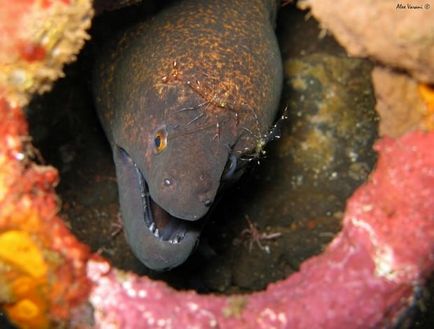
(330, 102)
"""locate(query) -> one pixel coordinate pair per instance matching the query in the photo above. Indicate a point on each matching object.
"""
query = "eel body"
(186, 98)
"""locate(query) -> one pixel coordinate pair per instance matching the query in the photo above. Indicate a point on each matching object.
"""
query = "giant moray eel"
(186, 98)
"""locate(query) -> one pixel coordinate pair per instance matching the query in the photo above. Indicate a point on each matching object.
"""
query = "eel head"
(166, 188)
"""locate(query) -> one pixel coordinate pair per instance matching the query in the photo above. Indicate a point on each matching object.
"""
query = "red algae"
(42, 265)
(32, 52)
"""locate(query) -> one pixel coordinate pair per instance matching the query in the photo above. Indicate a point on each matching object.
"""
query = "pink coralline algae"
(366, 278)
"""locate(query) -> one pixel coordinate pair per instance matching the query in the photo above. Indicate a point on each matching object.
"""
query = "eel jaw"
(158, 239)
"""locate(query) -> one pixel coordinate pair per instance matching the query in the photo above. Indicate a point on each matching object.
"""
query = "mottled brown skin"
(209, 73)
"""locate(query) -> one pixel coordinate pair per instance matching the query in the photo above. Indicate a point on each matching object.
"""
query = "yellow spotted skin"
(224, 50)
(206, 72)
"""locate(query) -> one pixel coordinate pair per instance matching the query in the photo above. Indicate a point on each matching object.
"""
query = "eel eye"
(160, 140)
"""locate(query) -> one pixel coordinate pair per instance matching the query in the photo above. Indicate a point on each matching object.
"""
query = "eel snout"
(185, 197)
(185, 182)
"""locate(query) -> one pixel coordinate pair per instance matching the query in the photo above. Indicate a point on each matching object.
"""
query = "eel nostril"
(205, 199)
(167, 181)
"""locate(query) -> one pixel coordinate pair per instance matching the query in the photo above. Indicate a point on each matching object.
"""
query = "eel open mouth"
(159, 222)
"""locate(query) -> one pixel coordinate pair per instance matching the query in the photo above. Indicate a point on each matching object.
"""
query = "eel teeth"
(175, 240)
(156, 233)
